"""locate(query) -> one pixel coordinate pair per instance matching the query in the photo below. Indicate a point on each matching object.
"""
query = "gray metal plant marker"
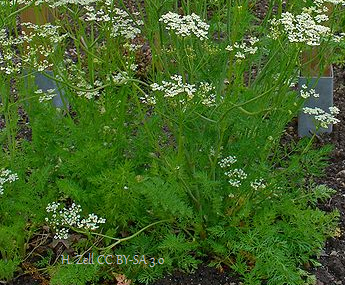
(324, 87)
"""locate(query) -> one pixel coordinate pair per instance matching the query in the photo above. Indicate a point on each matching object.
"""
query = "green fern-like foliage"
(65, 274)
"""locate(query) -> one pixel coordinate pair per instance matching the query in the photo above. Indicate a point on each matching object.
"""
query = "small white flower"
(6, 175)
(124, 25)
(46, 96)
(258, 184)
(227, 161)
(241, 49)
(235, 183)
(305, 93)
(120, 78)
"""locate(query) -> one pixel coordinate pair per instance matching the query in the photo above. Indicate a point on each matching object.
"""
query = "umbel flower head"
(301, 28)
(185, 26)
(61, 219)
(6, 176)
(204, 91)
(242, 49)
(324, 118)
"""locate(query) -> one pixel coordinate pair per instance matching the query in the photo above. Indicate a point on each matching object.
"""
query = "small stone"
(341, 173)
(333, 253)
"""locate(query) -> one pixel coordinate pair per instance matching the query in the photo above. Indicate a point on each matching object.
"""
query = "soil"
(332, 258)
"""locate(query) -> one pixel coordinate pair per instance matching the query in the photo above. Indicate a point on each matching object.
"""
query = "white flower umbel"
(61, 233)
(305, 93)
(227, 161)
(6, 176)
(338, 38)
(301, 28)
(120, 78)
(124, 25)
(175, 87)
(242, 49)
(258, 184)
(45, 96)
(206, 92)
(203, 91)
(91, 222)
(323, 117)
(41, 40)
(185, 26)
(237, 175)
(62, 219)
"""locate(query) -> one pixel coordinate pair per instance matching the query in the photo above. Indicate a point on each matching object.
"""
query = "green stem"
(244, 103)
(133, 235)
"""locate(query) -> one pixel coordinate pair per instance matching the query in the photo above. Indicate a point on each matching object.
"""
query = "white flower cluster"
(244, 48)
(305, 93)
(46, 31)
(6, 175)
(227, 161)
(338, 38)
(64, 218)
(175, 87)
(132, 47)
(54, 3)
(235, 175)
(185, 26)
(132, 66)
(119, 78)
(302, 28)
(8, 63)
(323, 117)
(335, 2)
(41, 40)
(124, 25)
(91, 93)
(204, 91)
(258, 184)
(45, 96)
(93, 15)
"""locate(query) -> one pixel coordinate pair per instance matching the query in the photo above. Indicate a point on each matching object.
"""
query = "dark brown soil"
(332, 258)
(203, 276)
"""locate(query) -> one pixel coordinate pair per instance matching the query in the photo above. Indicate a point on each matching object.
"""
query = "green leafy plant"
(180, 153)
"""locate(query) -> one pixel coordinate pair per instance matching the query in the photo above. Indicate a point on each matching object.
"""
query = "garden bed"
(332, 259)
(174, 143)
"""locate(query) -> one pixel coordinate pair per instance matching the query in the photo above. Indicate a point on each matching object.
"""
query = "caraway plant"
(170, 148)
